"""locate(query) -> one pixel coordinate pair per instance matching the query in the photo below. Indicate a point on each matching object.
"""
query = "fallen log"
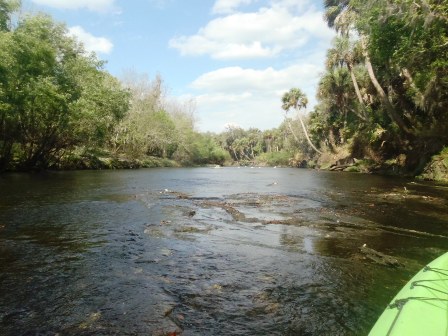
(339, 167)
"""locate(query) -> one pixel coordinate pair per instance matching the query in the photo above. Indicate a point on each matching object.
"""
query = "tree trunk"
(235, 154)
(304, 131)
(384, 98)
(268, 145)
(358, 92)
(411, 83)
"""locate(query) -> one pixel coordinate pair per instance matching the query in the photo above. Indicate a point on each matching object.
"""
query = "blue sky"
(233, 58)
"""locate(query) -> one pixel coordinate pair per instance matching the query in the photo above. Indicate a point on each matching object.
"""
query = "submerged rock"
(378, 257)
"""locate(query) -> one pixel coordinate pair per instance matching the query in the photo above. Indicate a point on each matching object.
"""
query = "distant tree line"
(283, 145)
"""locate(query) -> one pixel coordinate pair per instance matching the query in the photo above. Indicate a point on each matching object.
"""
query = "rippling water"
(205, 251)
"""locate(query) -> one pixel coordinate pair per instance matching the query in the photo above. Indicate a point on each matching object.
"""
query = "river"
(203, 251)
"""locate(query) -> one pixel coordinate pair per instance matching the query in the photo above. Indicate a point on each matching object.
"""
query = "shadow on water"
(209, 251)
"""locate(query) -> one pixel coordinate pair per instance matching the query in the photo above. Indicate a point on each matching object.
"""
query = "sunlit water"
(233, 251)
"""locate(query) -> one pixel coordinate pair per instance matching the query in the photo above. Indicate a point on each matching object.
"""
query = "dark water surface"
(209, 251)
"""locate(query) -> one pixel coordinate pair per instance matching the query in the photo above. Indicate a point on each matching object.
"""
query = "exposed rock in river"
(378, 257)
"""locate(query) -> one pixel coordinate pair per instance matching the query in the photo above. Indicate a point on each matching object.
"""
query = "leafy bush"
(274, 158)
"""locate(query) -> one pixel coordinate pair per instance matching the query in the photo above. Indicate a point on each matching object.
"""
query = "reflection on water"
(208, 251)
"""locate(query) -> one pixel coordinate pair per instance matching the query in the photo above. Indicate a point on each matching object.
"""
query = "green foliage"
(437, 168)
(206, 151)
(154, 125)
(60, 109)
(53, 97)
(399, 109)
(7, 8)
(295, 99)
(275, 147)
(275, 158)
(384, 95)
(246, 146)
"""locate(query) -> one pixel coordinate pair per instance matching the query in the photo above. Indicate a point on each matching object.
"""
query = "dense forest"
(60, 109)
(384, 96)
(382, 101)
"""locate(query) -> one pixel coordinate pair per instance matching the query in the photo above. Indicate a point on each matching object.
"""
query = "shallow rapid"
(203, 251)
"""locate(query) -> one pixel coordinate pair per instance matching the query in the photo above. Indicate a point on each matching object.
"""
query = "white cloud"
(228, 6)
(199, 45)
(289, 39)
(249, 97)
(265, 33)
(92, 5)
(91, 43)
(237, 79)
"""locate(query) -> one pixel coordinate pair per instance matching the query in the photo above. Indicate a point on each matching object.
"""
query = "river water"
(232, 251)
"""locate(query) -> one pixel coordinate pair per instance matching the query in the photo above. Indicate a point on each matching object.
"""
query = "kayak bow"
(421, 306)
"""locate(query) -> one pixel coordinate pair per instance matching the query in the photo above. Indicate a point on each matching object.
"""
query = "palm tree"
(334, 90)
(297, 99)
(343, 53)
(341, 15)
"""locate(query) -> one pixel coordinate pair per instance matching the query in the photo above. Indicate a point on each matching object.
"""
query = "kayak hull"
(421, 306)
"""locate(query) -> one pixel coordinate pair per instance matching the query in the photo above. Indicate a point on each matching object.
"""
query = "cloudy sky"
(235, 58)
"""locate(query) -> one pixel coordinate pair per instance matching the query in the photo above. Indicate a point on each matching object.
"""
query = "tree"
(343, 15)
(7, 8)
(343, 53)
(205, 150)
(296, 99)
(336, 95)
(230, 140)
(411, 37)
(404, 46)
(53, 96)
(147, 129)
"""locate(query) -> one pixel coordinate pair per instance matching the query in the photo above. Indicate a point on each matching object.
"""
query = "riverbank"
(104, 160)
(342, 160)
(435, 170)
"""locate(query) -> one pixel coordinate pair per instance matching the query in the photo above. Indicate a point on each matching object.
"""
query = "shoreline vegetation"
(382, 102)
(436, 169)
